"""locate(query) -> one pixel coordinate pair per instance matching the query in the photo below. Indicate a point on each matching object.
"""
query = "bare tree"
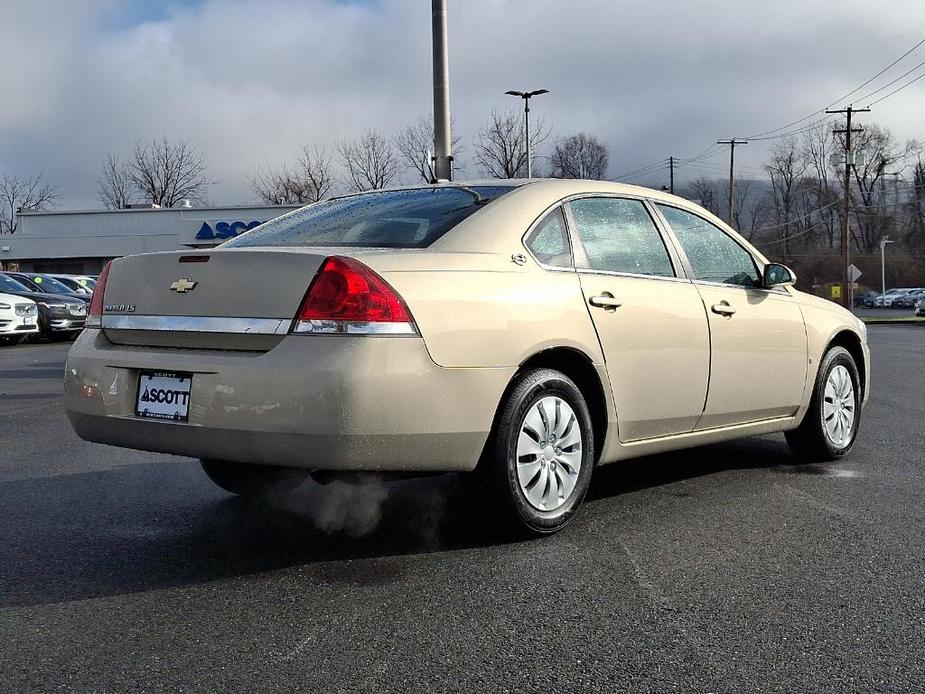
(114, 184)
(579, 156)
(370, 162)
(415, 145)
(311, 180)
(166, 172)
(23, 193)
(703, 191)
(785, 170)
(500, 150)
(916, 208)
(880, 152)
(820, 193)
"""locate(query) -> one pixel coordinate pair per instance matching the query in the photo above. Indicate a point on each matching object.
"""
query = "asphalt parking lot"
(721, 569)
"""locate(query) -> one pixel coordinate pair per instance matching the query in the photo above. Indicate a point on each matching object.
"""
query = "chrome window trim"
(632, 275)
(199, 324)
(779, 289)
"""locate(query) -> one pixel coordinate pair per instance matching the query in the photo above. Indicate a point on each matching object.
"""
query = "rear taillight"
(346, 297)
(95, 310)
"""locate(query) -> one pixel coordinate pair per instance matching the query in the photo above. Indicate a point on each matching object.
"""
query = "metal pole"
(883, 242)
(882, 266)
(527, 135)
(443, 152)
(671, 175)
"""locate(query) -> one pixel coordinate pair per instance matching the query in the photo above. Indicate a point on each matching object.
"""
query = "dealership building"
(81, 241)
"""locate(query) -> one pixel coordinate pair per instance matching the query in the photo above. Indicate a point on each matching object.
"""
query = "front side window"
(714, 256)
(549, 241)
(618, 235)
(412, 218)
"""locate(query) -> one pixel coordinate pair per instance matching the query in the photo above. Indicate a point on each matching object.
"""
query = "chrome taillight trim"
(349, 327)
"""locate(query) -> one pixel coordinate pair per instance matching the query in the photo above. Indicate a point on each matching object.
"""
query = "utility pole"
(671, 175)
(732, 156)
(846, 230)
(443, 148)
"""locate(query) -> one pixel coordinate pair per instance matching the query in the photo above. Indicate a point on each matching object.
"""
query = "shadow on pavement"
(154, 525)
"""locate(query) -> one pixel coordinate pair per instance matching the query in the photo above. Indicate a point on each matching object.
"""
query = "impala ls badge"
(183, 285)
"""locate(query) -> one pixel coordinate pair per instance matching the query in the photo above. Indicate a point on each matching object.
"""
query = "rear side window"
(380, 219)
(549, 241)
(713, 254)
(618, 235)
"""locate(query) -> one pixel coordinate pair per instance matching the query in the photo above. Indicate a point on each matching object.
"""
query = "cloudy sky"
(249, 82)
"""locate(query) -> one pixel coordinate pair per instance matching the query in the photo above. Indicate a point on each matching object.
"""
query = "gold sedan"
(526, 332)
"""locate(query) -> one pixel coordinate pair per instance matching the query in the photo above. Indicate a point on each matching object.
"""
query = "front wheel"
(830, 425)
(246, 479)
(538, 465)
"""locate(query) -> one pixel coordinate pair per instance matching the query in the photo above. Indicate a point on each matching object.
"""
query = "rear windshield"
(383, 219)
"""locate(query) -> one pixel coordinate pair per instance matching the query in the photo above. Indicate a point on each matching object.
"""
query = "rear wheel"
(830, 426)
(246, 479)
(538, 465)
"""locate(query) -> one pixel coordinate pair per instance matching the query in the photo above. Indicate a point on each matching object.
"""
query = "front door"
(650, 323)
(759, 355)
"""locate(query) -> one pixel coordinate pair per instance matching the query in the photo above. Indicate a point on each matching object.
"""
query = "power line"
(840, 99)
(892, 82)
(907, 84)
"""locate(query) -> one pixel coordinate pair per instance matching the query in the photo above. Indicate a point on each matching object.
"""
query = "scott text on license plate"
(164, 395)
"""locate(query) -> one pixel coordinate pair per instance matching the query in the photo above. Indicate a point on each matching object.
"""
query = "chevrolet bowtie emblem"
(183, 285)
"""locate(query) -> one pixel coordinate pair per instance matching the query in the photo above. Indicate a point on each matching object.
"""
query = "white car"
(18, 318)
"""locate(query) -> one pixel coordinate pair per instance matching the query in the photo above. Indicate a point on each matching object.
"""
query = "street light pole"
(883, 242)
(526, 97)
(443, 141)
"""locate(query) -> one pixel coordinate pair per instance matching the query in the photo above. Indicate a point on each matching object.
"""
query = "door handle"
(605, 301)
(723, 308)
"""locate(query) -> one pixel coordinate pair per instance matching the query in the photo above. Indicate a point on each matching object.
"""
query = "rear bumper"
(317, 402)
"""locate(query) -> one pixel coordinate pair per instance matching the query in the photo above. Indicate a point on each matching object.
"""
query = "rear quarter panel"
(482, 310)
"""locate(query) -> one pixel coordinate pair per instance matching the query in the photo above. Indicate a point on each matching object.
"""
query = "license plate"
(163, 395)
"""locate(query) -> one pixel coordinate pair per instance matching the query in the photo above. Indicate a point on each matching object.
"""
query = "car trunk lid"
(220, 299)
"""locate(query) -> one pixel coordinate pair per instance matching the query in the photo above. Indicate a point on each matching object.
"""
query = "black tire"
(497, 471)
(809, 440)
(246, 479)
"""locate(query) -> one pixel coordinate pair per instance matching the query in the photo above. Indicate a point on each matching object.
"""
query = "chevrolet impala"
(524, 332)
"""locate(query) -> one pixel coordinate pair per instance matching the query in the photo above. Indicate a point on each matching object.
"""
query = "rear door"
(650, 322)
(759, 353)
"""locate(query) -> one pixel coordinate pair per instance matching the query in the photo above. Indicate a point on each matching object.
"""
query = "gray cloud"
(249, 82)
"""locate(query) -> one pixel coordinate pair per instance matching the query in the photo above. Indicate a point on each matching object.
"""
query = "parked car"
(82, 284)
(908, 298)
(60, 317)
(523, 331)
(18, 318)
(40, 282)
(865, 298)
(885, 300)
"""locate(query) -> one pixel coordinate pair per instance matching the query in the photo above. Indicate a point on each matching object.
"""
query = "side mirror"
(776, 275)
